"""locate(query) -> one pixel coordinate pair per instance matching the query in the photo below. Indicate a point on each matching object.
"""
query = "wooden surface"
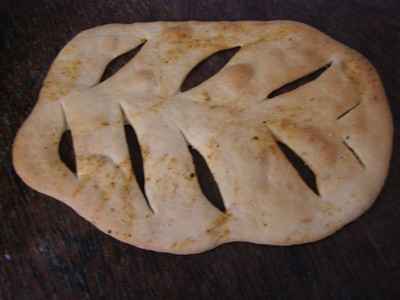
(48, 252)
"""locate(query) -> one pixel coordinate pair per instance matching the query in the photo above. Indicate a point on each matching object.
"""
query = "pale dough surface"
(339, 124)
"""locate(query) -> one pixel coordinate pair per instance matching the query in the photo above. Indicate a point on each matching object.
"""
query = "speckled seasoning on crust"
(339, 124)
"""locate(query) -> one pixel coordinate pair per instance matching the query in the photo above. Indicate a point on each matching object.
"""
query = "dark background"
(48, 252)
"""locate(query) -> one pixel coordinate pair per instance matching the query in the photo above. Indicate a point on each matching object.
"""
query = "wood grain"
(48, 252)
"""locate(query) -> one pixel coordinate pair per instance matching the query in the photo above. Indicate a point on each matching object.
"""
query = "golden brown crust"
(339, 124)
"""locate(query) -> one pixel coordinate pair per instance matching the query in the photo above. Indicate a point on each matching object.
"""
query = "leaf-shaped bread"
(245, 121)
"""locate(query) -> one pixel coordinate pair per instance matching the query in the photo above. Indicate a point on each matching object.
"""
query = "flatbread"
(339, 124)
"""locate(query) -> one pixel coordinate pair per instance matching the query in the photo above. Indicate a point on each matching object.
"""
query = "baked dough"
(339, 124)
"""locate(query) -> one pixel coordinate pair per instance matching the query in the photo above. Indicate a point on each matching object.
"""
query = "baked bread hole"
(304, 171)
(348, 111)
(354, 153)
(66, 151)
(136, 158)
(295, 84)
(117, 63)
(207, 68)
(206, 180)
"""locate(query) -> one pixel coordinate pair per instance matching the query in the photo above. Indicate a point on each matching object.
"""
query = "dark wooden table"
(48, 252)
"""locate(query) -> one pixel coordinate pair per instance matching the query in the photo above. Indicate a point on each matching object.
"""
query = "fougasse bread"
(339, 124)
